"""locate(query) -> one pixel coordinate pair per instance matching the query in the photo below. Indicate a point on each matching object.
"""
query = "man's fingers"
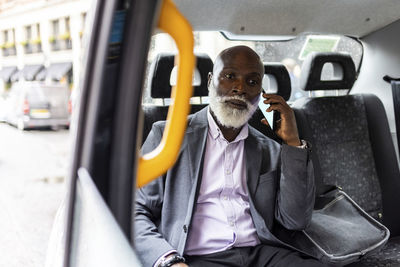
(271, 95)
(271, 100)
(274, 97)
(276, 106)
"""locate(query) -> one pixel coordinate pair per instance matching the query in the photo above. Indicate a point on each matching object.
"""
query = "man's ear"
(210, 75)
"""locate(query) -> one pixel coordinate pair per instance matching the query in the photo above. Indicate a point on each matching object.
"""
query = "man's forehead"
(250, 70)
(253, 67)
(239, 58)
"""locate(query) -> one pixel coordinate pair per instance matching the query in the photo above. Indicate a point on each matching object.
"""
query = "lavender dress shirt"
(221, 219)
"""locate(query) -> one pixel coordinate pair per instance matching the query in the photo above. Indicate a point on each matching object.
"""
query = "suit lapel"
(196, 145)
(253, 162)
(196, 141)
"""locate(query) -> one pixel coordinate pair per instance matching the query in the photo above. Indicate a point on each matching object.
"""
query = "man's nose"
(238, 87)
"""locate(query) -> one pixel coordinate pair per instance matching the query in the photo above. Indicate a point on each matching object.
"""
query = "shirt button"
(231, 223)
(185, 228)
(225, 198)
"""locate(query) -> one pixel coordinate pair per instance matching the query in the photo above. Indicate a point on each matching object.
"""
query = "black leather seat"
(352, 147)
(160, 87)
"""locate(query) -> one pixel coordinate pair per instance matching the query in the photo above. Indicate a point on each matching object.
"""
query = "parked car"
(35, 104)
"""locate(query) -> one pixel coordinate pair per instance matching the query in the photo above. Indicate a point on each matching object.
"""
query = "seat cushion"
(388, 256)
(338, 129)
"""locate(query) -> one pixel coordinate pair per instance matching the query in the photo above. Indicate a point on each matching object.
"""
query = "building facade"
(41, 40)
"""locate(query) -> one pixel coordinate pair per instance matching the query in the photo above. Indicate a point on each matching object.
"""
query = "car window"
(36, 94)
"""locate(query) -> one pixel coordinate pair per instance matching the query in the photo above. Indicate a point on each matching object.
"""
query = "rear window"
(43, 93)
(291, 53)
(35, 94)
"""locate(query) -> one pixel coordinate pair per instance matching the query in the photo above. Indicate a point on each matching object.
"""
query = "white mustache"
(223, 99)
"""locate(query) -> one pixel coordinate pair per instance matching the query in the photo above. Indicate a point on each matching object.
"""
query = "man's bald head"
(232, 54)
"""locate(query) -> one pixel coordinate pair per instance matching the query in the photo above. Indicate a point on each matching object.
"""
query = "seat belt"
(395, 82)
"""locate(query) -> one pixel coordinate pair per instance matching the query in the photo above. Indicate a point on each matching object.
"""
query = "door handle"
(158, 161)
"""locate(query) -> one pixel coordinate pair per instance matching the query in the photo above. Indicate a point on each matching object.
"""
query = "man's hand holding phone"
(286, 127)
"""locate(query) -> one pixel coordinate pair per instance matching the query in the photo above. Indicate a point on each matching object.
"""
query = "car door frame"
(126, 125)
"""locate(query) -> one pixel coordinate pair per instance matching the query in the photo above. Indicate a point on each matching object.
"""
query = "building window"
(5, 36)
(67, 22)
(8, 45)
(53, 39)
(55, 26)
(28, 32)
(38, 29)
(26, 42)
(36, 41)
(32, 42)
(61, 38)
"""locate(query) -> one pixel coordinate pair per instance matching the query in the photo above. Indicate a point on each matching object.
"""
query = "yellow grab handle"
(157, 162)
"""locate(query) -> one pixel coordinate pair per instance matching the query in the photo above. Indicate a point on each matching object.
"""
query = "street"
(33, 166)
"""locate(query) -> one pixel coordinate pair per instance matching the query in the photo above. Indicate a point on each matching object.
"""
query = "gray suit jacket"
(280, 181)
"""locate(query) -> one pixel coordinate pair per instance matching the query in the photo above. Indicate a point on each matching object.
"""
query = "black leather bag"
(340, 232)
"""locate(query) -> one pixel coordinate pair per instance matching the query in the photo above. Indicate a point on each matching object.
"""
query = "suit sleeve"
(150, 244)
(296, 193)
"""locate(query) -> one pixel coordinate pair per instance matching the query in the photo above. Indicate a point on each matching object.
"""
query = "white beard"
(226, 115)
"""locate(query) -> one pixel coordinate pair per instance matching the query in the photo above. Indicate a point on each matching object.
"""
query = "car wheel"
(20, 125)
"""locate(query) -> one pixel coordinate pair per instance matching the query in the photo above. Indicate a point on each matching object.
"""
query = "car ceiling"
(290, 17)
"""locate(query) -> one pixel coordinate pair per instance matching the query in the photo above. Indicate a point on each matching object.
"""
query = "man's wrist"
(171, 259)
(303, 144)
(163, 257)
(296, 142)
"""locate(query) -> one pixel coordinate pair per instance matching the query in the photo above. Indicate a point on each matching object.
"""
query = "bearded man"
(231, 184)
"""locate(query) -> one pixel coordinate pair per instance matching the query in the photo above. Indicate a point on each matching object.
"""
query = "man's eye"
(229, 76)
(253, 82)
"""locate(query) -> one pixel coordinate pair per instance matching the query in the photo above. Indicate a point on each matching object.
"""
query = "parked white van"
(35, 104)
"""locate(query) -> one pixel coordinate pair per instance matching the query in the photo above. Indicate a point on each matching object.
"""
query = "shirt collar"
(216, 132)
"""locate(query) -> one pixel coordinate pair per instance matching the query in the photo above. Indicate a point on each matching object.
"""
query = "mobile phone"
(269, 116)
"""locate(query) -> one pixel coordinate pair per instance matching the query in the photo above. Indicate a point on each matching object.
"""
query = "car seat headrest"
(160, 75)
(279, 79)
(344, 71)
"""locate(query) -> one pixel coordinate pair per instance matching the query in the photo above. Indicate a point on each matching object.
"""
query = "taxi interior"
(349, 117)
